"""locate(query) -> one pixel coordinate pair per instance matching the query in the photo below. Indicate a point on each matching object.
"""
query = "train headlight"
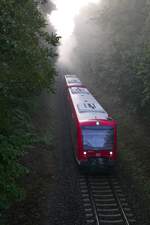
(97, 123)
(111, 153)
(84, 153)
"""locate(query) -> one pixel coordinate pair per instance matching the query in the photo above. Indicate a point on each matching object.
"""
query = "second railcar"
(72, 80)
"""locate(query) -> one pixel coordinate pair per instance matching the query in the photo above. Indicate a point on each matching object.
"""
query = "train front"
(98, 143)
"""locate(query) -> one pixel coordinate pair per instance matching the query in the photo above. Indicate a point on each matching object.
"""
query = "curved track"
(104, 202)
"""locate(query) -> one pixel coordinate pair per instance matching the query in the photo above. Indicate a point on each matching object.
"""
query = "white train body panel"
(86, 106)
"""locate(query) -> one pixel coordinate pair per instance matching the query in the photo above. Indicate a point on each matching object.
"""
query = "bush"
(27, 55)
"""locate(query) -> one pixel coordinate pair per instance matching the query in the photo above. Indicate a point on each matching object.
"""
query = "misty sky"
(63, 20)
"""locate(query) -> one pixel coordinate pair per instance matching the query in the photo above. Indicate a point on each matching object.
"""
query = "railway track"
(104, 202)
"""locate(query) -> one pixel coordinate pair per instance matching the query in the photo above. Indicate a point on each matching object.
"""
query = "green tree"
(27, 58)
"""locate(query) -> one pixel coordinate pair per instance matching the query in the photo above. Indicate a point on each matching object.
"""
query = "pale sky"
(63, 17)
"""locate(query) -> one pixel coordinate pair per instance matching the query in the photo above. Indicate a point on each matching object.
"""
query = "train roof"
(72, 80)
(86, 106)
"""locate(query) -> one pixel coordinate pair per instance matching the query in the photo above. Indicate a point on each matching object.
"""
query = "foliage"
(12, 147)
(143, 75)
(27, 54)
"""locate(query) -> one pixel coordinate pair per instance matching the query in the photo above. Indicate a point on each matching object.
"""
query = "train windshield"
(97, 138)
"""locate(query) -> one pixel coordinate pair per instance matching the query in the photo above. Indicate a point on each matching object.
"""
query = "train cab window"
(97, 138)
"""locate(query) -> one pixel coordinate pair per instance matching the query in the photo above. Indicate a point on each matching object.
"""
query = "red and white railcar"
(93, 132)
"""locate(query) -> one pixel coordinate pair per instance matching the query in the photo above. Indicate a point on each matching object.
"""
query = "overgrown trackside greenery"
(26, 67)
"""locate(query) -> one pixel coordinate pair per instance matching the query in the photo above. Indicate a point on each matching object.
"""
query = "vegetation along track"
(104, 201)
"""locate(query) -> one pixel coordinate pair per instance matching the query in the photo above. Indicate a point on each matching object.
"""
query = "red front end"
(97, 143)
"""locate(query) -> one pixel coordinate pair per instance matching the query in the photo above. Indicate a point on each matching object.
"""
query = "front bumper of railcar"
(98, 163)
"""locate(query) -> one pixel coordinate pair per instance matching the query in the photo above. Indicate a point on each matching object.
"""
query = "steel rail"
(126, 221)
(96, 189)
(92, 201)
